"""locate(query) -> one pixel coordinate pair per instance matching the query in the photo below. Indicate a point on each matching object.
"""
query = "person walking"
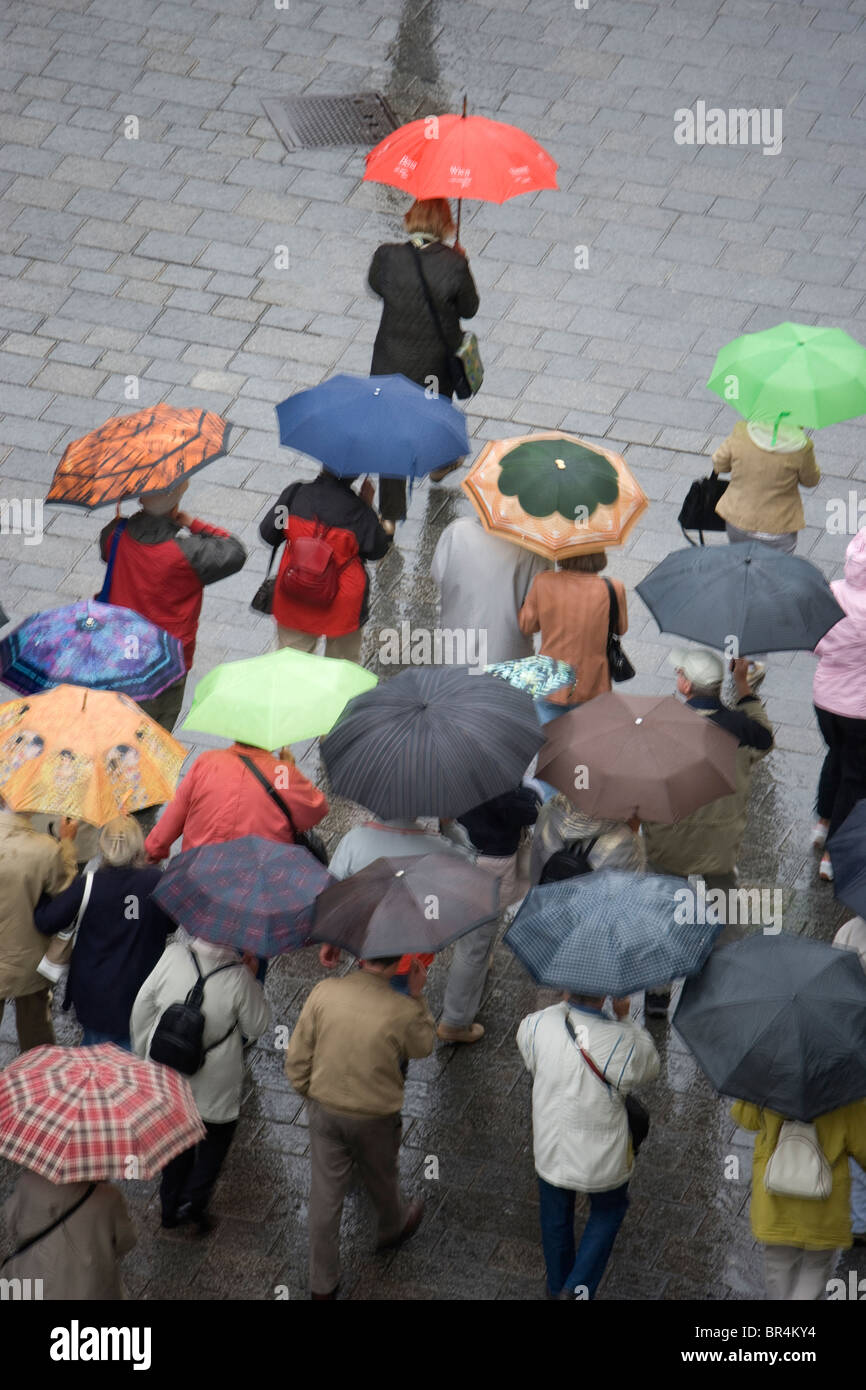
(31, 864)
(839, 696)
(121, 933)
(347, 1057)
(234, 1007)
(582, 1066)
(344, 521)
(221, 798)
(163, 560)
(570, 606)
(803, 1237)
(76, 1234)
(483, 583)
(493, 832)
(413, 338)
(762, 500)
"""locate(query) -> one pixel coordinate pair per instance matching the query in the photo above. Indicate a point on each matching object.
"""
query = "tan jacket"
(572, 610)
(80, 1259)
(30, 864)
(763, 494)
(349, 1042)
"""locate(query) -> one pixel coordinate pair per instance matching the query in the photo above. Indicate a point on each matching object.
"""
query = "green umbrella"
(813, 376)
(279, 698)
(555, 475)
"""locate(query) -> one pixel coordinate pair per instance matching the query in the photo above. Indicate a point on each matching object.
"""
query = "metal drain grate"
(304, 122)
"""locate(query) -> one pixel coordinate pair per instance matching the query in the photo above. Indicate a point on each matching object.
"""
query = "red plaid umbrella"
(84, 1114)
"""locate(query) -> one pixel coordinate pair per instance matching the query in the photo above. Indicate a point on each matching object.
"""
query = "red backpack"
(312, 574)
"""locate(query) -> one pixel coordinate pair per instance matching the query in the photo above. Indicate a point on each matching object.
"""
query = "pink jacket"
(840, 680)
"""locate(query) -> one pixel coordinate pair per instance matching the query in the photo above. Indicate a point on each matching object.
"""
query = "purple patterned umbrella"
(254, 894)
(99, 645)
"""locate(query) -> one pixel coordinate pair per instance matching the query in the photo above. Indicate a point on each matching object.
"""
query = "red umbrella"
(84, 1114)
(461, 157)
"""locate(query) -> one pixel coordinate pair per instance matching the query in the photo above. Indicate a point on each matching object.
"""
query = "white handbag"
(797, 1166)
(55, 963)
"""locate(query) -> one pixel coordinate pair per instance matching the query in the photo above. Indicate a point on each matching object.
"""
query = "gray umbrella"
(769, 601)
(4, 618)
(780, 1021)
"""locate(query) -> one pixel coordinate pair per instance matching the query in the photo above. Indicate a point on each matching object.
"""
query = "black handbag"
(620, 667)
(263, 599)
(636, 1112)
(698, 512)
(569, 862)
(460, 384)
(307, 839)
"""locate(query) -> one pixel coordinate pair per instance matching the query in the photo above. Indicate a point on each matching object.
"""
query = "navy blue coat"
(121, 937)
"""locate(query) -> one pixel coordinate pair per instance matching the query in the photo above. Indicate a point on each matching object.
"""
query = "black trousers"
(190, 1178)
(843, 777)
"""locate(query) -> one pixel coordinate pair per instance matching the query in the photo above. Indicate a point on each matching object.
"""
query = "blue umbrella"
(610, 932)
(373, 424)
(99, 645)
(847, 850)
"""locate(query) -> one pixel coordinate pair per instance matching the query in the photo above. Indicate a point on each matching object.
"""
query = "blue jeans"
(565, 1269)
(92, 1038)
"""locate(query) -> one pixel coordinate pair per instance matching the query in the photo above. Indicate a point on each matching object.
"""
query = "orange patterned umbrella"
(556, 535)
(150, 451)
(88, 754)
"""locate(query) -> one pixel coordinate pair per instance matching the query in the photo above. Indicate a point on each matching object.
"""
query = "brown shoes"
(413, 1221)
(447, 1034)
(439, 473)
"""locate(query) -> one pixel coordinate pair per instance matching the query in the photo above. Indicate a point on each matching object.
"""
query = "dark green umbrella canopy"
(555, 475)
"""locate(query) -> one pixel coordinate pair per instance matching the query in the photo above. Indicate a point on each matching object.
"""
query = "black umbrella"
(419, 903)
(847, 850)
(433, 741)
(780, 1021)
(4, 617)
(769, 601)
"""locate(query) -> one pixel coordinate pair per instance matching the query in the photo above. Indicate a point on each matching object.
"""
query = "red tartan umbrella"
(85, 1114)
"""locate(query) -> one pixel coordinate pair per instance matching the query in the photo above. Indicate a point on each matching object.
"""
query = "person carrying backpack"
(322, 587)
(802, 1235)
(234, 1006)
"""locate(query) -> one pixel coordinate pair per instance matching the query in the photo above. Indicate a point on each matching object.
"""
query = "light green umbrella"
(811, 376)
(279, 698)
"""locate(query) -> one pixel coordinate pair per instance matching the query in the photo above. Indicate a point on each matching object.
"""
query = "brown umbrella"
(648, 756)
(150, 451)
(554, 494)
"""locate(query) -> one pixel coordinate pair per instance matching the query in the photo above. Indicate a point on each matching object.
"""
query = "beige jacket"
(349, 1042)
(79, 1260)
(764, 491)
(30, 864)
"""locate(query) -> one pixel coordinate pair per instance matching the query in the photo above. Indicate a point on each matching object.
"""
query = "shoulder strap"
(82, 907)
(199, 987)
(434, 313)
(271, 791)
(53, 1227)
(102, 596)
(585, 1055)
(613, 609)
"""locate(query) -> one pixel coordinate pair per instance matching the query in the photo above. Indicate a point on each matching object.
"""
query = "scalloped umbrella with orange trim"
(88, 754)
(150, 451)
(556, 535)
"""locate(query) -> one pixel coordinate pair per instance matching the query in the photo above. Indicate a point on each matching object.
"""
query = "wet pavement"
(151, 260)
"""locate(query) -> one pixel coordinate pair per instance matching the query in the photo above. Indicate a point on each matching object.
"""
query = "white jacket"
(579, 1125)
(232, 996)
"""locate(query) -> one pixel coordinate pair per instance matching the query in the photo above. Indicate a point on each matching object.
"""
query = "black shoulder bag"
(636, 1112)
(307, 839)
(698, 512)
(263, 599)
(620, 667)
(568, 862)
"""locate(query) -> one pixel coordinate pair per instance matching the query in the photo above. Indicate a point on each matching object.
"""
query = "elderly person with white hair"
(121, 933)
(159, 561)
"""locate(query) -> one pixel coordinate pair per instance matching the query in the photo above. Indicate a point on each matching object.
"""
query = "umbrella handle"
(460, 200)
(779, 419)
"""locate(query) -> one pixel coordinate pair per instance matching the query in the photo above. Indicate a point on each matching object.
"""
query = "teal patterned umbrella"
(537, 675)
(556, 475)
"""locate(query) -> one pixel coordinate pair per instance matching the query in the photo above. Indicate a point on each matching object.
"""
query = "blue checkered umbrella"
(254, 894)
(610, 932)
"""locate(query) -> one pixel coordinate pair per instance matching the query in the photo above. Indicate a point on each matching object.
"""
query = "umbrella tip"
(639, 719)
(400, 873)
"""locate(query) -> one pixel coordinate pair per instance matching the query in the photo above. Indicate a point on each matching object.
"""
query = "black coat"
(121, 937)
(408, 340)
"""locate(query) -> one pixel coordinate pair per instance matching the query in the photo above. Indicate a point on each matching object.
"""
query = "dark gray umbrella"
(847, 850)
(769, 601)
(418, 903)
(780, 1021)
(432, 741)
(4, 618)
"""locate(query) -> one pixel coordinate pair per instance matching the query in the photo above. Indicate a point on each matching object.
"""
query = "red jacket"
(219, 799)
(161, 574)
(344, 614)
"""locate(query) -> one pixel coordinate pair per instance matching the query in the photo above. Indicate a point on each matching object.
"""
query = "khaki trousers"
(33, 1018)
(337, 1141)
(346, 648)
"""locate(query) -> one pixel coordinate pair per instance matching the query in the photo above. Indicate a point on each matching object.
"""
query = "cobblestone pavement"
(151, 261)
